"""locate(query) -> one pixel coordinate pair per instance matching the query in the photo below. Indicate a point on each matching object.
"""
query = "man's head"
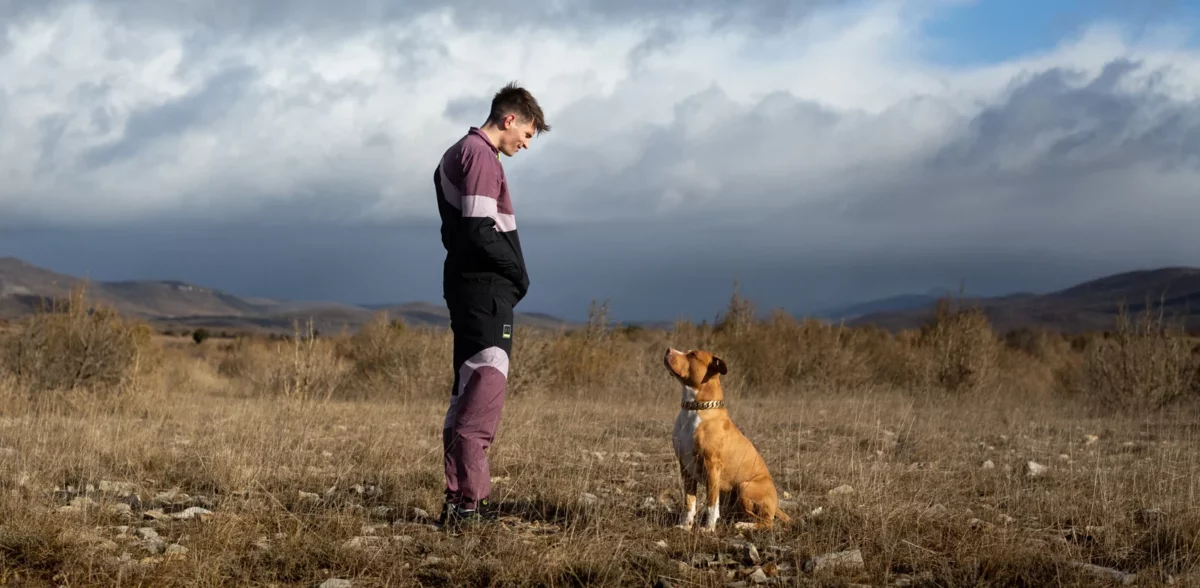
(514, 119)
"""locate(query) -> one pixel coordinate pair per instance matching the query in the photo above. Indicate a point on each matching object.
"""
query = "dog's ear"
(716, 366)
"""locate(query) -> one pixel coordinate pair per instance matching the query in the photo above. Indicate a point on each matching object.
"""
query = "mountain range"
(179, 305)
(1089, 306)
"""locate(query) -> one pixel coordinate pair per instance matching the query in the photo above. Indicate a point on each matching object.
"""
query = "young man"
(484, 278)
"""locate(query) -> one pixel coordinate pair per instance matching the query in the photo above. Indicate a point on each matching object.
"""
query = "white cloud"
(106, 119)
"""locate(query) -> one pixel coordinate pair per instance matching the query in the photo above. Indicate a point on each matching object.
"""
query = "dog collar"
(707, 404)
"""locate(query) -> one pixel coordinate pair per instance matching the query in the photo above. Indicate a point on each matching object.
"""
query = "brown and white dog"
(712, 450)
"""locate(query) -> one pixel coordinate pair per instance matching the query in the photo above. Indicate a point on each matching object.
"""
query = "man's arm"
(482, 221)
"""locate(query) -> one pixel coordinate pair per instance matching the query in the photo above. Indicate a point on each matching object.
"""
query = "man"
(484, 278)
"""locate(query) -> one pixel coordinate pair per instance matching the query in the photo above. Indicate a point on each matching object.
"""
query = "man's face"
(515, 135)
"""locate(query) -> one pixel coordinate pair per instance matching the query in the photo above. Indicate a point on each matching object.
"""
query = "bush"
(1146, 365)
(74, 345)
(388, 358)
(200, 335)
(957, 351)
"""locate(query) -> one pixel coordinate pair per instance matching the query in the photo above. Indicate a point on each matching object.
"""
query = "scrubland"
(951, 455)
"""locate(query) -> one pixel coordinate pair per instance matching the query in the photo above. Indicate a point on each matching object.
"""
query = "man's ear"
(716, 366)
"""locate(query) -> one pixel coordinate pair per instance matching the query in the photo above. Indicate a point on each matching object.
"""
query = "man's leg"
(463, 342)
(485, 328)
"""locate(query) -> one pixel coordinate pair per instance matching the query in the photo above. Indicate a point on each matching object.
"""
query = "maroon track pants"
(482, 342)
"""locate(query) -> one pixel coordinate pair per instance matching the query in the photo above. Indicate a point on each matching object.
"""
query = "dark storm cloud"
(998, 206)
(806, 203)
(1091, 126)
(203, 106)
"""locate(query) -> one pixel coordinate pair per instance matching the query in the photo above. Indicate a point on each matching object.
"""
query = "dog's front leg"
(689, 498)
(713, 493)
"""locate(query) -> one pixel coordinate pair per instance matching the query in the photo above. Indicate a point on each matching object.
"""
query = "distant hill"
(1090, 306)
(172, 304)
(889, 304)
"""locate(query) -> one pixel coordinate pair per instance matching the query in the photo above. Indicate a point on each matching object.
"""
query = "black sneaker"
(454, 517)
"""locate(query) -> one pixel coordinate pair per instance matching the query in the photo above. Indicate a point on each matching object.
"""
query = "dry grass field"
(949, 456)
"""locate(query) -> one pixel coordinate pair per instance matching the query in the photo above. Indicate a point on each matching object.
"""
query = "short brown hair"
(513, 99)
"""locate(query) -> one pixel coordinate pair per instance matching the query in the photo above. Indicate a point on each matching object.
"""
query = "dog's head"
(694, 367)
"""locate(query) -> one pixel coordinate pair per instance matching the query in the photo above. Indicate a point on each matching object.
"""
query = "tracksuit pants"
(483, 330)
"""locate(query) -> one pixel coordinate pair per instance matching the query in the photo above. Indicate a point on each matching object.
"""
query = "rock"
(420, 514)
(117, 488)
(936, 511)
(336, 583)
(851, 559)
(1034, 469)
(194, 512)
(365, 541)
(758, 576)
(367, 491)
(1090, 439)
(661, 544)
(842, 490)
(176, 550)
(588, 498)
(663, 582)
(989, 465)
(816, 512)
(82, 503)
(146, 533)
(976, 524)
(1006, 520)
(153, 545)
(747, 551)
(305, 496)
(1117, 575)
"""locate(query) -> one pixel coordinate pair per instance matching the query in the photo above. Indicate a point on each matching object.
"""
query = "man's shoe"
(454, 517)
(448, 512)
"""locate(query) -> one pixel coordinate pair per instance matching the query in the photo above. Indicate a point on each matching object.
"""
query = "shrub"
(200, 335)
(389, 358)
(957, 351)
(1146, 365)
(74, 345)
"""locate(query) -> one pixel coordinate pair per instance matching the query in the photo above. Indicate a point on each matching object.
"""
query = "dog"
(713, 451)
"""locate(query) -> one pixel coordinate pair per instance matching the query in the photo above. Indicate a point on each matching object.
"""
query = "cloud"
(744, 137)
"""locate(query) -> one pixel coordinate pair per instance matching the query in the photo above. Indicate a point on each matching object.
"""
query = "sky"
(818, 152)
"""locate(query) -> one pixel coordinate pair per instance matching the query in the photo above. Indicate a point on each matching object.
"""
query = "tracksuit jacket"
(479, 229)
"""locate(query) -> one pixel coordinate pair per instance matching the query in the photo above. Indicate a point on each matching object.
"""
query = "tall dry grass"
(315, 457)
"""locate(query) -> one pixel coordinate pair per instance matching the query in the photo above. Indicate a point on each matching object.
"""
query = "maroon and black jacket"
(479, 229)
